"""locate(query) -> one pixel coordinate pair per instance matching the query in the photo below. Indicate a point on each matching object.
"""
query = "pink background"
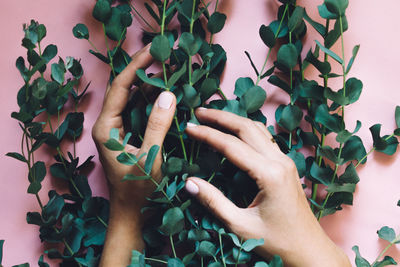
(373, 25)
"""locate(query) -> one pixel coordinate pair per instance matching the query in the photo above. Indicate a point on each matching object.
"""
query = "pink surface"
(373, 25)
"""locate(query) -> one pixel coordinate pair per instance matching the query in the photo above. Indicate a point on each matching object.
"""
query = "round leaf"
(267, 35)
(102, 11)
(160, 48)
(173, 221)
(253, 99)
(216, 22)
(80, 31)
(287, 56)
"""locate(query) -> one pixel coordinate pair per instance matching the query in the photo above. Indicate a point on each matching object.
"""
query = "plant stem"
(180, 138)
(172, 245)
(221, 93)
(221, 249)
(93, 46)
(397, 239)
(332, 180)
(155, 260)
(269, 51)
(372, 150)
(108, 50)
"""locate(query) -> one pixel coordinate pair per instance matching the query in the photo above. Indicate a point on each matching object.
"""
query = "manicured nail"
(165, 100)
(201, 108)
(191, 125)
(191, 187)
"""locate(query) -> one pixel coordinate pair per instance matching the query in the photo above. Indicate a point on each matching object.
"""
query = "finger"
(117, 96)
(159, 121)
(244, 128)
(234, 149)
(265, 131)
(214, 200)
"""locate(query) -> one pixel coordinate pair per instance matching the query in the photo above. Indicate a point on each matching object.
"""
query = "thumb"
(214, 200)
(159, 121)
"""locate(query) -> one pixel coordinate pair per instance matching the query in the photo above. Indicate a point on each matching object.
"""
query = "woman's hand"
(279, 213)
(128, 197)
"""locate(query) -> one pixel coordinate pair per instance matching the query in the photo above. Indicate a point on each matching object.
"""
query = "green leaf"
(132, 177)
(16, 156)
(189, 43)
(317, 26)
(354, 149)
(334, 188)
(387, 233)
(49, 52)
(276, 262)
(151, 157)
(267, 36)
(250, 244)
(290, 117)
(296, 18)
(275, 80)
(252, 63)
(173, 221)
(242, 85)
(321, 174)
(207, 249)
(351, 62)
(360, 261)
(331, 121)
(344, 135)
(80, 31)
(253, 99)
(329, 153)
(177, 75)
(208, 87)
(216, 22)
(115, 30)
(38, 171)
(191, 97)
(175, 262)
(157, 82)
(114, 134)
(287, 56)
(350, 175)
(127, 159)
(57, 73)
(387, 260)
(397, 116)
(114, 145)
(337, 7)
(1, 250)
(325, 13)
(160, 48)
(34, 187)
(102, 11)
(330, 53)
(299, 160)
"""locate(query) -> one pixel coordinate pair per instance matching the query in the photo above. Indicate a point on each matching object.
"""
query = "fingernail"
(191, 187)
(165, 100)
(191, 125)
(148, 46)
(201, 108)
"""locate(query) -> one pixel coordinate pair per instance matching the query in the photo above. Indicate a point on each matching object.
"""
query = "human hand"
(132, 193)
(124, 232)
(279, 213)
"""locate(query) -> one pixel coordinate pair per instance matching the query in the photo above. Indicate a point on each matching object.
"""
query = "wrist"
(321, 253)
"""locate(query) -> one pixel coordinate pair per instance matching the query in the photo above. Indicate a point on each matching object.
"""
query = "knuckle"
(98, 135)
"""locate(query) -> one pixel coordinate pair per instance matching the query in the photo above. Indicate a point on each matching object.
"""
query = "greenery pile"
(192, 65)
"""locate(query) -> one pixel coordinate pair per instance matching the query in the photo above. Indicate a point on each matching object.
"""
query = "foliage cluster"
(192, 65)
